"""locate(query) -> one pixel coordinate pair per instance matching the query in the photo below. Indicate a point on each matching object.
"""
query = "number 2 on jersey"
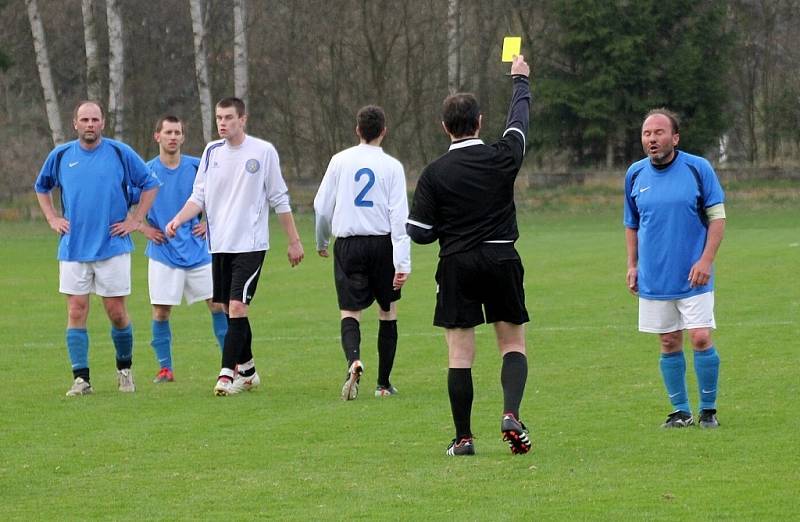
(360, 201)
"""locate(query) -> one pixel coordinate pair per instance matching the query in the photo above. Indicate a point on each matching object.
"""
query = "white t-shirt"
(235, 187)
(363, 193)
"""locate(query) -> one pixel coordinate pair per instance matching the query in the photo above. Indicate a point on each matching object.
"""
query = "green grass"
(293, 450)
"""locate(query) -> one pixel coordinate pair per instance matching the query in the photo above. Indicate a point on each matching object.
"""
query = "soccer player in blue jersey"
(181, 266)
(674, 222)
(93, 174)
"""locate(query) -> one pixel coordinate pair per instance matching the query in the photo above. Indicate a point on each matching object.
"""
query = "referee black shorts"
(236, 275)
(363, 269)
(487, 277)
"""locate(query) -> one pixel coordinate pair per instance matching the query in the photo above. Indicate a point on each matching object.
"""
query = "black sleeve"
(422, 236)
(421, 225)
(515, 135)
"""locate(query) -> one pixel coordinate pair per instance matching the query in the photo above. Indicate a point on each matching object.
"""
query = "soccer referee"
(465, 199)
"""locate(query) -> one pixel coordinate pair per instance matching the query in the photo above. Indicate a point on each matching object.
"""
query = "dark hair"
(460, 113)
(371, 121)
(84, 102)
(170, 118)
(237, 103)
(673, 118)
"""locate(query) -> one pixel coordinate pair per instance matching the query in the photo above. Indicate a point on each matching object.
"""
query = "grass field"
(293, 451)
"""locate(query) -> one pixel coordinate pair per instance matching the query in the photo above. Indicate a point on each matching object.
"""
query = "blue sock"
(706, 366)
(220, 323)
(673, 369)
(78, 347)
(162, 343)
(123, 343)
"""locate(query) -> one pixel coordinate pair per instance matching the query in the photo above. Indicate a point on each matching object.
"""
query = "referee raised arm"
(465, 199)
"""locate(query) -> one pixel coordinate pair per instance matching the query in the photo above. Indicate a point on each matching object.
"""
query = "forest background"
(305, 66)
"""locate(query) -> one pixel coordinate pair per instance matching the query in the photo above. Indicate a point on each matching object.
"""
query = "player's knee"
(671, 342)
(701, 339)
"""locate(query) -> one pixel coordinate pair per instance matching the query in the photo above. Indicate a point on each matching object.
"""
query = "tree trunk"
(92, 62)
(46, 78)
(241, 85)
(116, 68)
(453, 47)
(201, 66)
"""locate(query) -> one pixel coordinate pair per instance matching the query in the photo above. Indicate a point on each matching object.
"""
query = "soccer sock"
(220, 323)
(459, 387)
(387, 347)
(706, 366)
(513, 376)
(162, 343)
(234, 340)
(351, 339)
(673, 370)
(78, 349)
(123, 343)
(246, 353)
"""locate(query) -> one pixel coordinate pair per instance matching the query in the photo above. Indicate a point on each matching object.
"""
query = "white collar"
(465, 143)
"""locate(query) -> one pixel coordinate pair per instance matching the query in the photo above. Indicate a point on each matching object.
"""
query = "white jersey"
(235, 187)
(363, 193)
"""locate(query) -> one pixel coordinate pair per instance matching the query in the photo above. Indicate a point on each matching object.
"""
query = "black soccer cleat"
(516, 434)
(708, 419)
(462, 447)
(678, 419)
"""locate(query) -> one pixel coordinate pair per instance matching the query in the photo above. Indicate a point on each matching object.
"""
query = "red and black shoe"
(460, 447)
(516, 434)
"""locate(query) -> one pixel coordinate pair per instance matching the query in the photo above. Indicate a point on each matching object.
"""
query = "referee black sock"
(351, 339)
(234, 341)
(387, 347)
(459, 387)
(83, 373)
(513, 376)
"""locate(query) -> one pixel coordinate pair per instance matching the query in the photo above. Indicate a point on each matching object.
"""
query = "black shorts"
(236, 275)
(487, 277)
(363, 269)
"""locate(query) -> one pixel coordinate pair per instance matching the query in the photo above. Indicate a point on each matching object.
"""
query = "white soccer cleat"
(223, 387)
(125, 380)
(79, 387)
(350, 386)
(242, 383)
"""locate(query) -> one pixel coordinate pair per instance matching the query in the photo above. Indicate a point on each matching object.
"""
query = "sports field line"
(481, 331)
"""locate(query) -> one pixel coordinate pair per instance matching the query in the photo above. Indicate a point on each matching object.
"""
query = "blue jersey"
(94, 195)
(185, 250)
(667, 206)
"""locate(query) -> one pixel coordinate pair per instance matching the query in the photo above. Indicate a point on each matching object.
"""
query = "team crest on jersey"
(252, 166)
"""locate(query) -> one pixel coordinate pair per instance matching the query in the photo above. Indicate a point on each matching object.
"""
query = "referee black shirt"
(466, 197)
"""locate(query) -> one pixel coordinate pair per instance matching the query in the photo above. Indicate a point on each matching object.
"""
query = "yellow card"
(511, 46)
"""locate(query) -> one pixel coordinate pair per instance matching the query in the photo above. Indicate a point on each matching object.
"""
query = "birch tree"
(116, 68)
(241, 85)
(45, 76)
(201, 65)
(90, 39)
(453, 47)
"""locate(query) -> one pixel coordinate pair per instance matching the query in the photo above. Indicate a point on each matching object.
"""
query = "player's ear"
(155, 136)
(445, 129)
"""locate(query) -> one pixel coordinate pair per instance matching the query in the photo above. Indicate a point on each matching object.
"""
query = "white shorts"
(168, 284)
(107, 278)
(677, 314)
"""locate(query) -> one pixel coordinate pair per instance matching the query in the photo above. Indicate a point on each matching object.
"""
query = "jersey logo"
(73, 163)
(252, 166)
(643, 189)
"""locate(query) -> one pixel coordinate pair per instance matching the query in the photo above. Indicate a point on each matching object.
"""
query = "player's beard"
(89, 137)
